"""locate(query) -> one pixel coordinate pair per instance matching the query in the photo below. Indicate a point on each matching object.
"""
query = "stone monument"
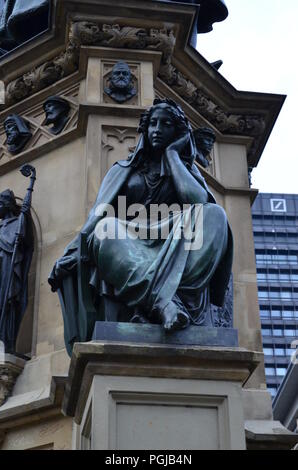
(127, 383)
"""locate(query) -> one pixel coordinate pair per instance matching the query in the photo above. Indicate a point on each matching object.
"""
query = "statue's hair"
(202, 132)
(57, 99)
(8, 199)
(180, 120)
(22, 125)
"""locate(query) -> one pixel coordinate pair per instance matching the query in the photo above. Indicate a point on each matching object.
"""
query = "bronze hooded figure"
(148, 277)
(14, 290)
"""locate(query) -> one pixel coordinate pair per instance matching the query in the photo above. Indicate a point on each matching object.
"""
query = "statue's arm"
(190, 191)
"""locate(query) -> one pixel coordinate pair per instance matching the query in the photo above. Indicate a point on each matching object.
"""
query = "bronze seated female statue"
(164, 270)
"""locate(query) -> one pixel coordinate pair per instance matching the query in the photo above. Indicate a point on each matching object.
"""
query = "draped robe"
(145, 274)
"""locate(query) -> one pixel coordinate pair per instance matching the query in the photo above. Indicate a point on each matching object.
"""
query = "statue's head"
(17, 132)
(121, 76)
(55, 108)
(163, 123)
(204, 138)
(8, 203)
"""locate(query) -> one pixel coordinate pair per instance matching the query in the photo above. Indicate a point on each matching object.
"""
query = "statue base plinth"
(155, 396)
(148, 333)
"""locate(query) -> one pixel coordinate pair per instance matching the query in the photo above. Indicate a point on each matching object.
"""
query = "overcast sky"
(258, 44)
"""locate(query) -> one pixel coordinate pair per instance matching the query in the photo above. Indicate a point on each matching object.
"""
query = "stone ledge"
(33, 406)
(269, 435)
(153, 360)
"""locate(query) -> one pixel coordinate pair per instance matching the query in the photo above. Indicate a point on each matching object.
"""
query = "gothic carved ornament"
(115, 36)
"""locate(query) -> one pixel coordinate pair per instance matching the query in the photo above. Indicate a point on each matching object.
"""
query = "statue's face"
(205, 144)
(121, 76)
(53, 111)
(161, 129)
(208, 143)
(12, 132)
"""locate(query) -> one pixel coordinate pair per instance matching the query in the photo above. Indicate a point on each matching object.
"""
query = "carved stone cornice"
(43, 76)
(84, 33)
(96, 34)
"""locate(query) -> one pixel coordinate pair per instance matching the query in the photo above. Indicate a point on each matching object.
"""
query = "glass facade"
(275, 226)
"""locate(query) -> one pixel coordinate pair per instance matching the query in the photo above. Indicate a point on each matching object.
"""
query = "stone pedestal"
(10, 368)
(152, 396)
(142, 333)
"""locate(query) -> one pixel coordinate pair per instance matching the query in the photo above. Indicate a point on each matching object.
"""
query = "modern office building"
(275, 224)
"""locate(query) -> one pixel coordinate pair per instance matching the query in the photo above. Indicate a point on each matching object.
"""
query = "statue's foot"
(173, 318)
(138, 318)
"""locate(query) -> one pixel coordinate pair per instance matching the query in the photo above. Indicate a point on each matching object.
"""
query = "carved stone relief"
(117, 143)
(18, 133)
(9, 371)
(7, 381)
(56, 110)
(135, 77)
(41, 133)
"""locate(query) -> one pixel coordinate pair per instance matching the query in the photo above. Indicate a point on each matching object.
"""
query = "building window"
(268, 351)
(280, 371)
(276, 257)
(263, 294)
(290, 332)
(265, 313)
(279, 351)
(286, 295)
(266, 332)
(287, 314)
(290, 351)
(277, 332)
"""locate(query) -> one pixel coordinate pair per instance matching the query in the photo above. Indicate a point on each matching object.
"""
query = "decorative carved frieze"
(87, 33)
(43, 76)
(115, 36)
